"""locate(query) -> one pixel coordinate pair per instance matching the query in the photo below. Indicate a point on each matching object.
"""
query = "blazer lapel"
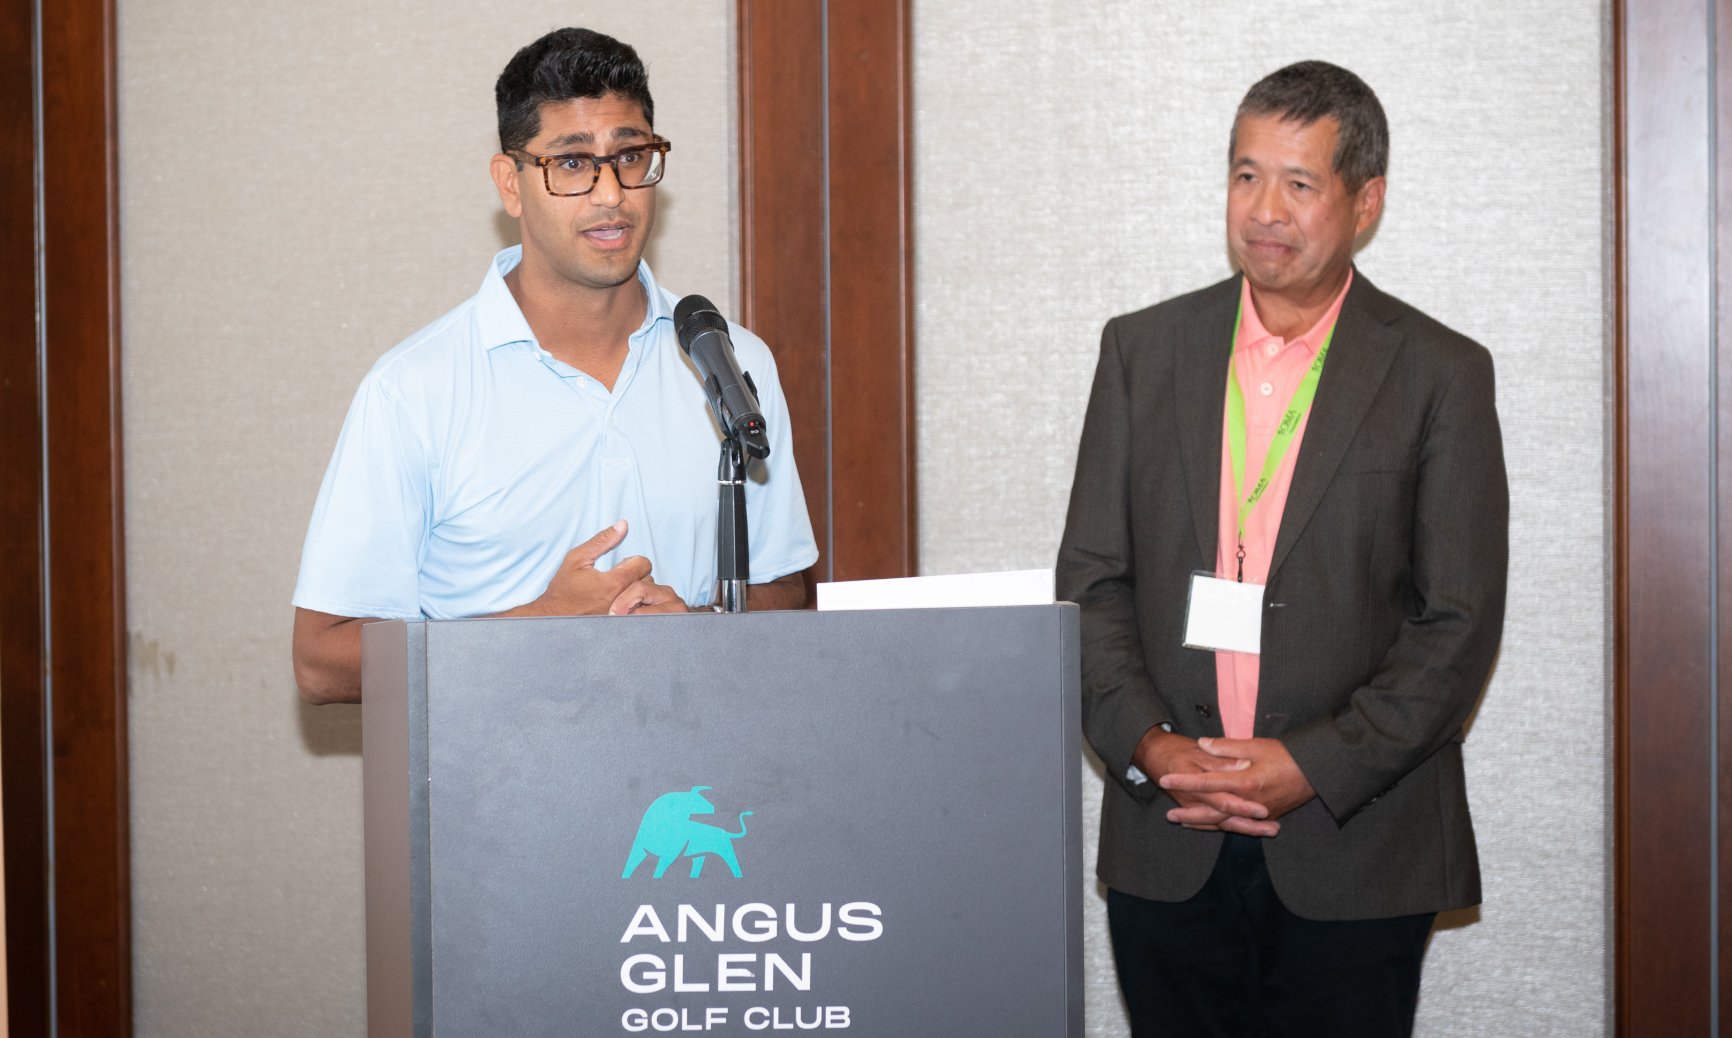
(1360, 355)
(1200, 390)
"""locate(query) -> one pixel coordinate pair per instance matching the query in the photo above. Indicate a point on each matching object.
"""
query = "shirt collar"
(1252, 332)
(658, 308)
(501, 322)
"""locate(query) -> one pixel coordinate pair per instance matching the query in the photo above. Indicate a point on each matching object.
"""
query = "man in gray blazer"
(1288, 535)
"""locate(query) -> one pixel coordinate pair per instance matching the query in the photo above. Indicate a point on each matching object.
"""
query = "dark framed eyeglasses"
(577, 173)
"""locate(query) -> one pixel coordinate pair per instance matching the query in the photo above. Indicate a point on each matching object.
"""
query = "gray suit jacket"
(1381, 619)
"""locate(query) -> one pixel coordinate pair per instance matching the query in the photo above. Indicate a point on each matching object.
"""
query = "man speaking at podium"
(545, 448)
(1288, 536)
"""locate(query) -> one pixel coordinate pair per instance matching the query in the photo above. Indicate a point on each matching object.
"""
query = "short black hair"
(564, 65)
(1307, 91)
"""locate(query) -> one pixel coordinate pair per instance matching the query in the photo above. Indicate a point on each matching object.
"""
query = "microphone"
(703, 334)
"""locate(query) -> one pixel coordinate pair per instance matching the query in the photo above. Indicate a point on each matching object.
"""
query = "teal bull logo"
(668, 832)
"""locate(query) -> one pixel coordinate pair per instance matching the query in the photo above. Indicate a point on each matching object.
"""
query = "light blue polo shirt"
(471, 461)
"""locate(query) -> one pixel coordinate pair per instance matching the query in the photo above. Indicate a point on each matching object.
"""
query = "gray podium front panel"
(910, 864)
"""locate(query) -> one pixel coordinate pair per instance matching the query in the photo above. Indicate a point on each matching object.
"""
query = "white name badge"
(1224, 615)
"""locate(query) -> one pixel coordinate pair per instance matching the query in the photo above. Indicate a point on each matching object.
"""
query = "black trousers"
(1233, 962)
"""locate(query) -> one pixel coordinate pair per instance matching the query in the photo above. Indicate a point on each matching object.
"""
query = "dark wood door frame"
(1673, 516)
(827, 260)
(62, 593)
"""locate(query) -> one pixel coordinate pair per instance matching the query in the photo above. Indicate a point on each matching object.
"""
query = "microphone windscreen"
(694, 315)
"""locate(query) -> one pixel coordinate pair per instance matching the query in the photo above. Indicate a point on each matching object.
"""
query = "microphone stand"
(733, 563)
(733, 560)
(743, 437)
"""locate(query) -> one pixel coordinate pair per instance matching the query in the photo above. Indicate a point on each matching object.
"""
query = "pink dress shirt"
(1269, 370)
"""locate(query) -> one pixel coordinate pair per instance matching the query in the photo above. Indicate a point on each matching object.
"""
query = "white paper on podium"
(1013, 587)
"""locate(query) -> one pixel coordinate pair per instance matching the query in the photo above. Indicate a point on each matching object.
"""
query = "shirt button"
(1273, 348)
(1266, 388)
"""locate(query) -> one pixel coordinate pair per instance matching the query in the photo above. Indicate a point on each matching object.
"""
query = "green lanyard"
(1297, 408)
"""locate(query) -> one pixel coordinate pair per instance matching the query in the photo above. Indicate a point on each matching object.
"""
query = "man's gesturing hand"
(1267, 776)
(646, 596)
(1162, 754)
(579, 589)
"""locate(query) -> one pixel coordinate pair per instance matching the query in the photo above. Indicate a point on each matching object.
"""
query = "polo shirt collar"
(501, 322)
(1252, 331)
(658, 308)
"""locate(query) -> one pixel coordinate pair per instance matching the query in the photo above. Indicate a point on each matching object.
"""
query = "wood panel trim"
(64, 698)
(826, 260)
(1666, 488)
(1622, 823)
(872, 502)
(87, 604)
(783, 234)
(23, 761)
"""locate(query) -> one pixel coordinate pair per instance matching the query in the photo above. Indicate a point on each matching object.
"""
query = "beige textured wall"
(303, 185)
(1070, 165)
